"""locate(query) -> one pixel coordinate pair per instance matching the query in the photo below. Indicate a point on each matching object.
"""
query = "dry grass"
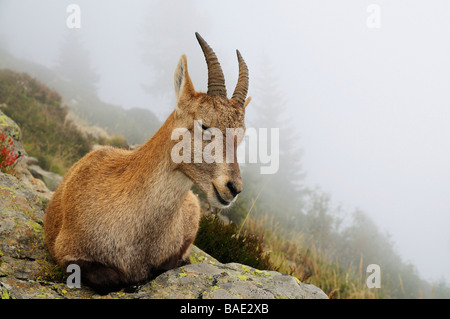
(294, 254)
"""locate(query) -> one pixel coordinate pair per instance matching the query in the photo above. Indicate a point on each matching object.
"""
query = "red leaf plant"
(8, 159)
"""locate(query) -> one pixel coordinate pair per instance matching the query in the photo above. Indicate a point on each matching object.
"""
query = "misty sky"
(372, 105)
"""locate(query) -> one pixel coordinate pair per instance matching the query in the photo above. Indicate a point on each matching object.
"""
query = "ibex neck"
(164, 186)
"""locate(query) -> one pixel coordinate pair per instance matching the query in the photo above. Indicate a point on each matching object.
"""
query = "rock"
(41, 181)
(9, 127)
(230, 281)
(29, 160)
(50, 179)
(21, 233)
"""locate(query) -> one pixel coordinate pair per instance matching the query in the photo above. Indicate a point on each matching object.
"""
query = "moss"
(10, 190)
(255, 272)
(3, 119)
(214, 288)
(118, 294)
(182, 273)
(246, 268)
(6, 121)
(5, 294)
(153, 286)
(196, 258)
(201, 292)
(37, 228)
(60, 288)
(50, 272)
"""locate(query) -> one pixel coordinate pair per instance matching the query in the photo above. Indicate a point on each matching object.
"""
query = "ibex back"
(125, 216)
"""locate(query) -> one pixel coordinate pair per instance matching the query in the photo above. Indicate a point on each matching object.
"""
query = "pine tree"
(168, 34)
(271, 112)
(74, 63)
(281, 192)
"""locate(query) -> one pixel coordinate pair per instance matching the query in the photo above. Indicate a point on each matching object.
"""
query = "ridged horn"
(240, 92)
(216, 79)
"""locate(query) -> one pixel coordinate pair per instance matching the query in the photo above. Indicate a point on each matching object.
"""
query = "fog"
(371, 104)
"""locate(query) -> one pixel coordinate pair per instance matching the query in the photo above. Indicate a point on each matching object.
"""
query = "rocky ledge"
(27, 270)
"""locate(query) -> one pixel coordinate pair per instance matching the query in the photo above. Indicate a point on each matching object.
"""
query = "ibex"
(125, 216)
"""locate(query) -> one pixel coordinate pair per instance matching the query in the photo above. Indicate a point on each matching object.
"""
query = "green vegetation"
(338, 266)
(225, 243)
(315, 248)
(136, 125)
(293, 254)
(4, 294)
(116, 141)
(265, 245)
(50, 272)
(38, 111)
(47, 134)
(8, 158)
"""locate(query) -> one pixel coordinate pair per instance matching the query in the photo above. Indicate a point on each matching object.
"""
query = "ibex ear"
(183, 84)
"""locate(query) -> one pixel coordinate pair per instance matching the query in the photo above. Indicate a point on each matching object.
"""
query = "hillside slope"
(55, 142)
(136, 125)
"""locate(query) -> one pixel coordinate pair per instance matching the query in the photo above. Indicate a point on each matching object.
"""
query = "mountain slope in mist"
(136, 125)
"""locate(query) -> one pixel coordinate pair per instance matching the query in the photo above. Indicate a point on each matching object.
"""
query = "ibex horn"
(216, 80)
(240, 92)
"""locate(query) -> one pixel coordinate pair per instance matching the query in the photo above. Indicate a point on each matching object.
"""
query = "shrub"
(116, 141)
(55, 142)
(227, 245)
(8, 158)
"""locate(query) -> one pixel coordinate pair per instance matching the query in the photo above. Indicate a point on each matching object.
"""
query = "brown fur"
(125, 215)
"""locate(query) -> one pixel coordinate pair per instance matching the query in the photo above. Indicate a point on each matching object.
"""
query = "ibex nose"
(234, 190)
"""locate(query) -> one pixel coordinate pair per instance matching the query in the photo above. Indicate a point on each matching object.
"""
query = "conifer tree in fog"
(283, 190)
(272, 112)
(167, 34)
(74, 62)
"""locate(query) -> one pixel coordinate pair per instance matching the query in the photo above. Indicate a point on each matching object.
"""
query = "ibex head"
(219, 180)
